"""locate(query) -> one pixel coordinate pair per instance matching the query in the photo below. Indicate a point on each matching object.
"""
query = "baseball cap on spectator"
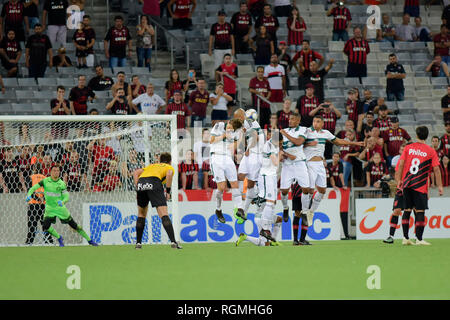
(283, 42)
(309, 86)
(394, 119)
(221, 13)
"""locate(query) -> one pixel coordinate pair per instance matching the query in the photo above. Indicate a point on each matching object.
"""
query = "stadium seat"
(332, 83)
(6, 109)
(47, 95)
(422, 82)
(352, 82)
(27, 83)
(10, 82)
(437, 82)
(66, 82)
(22, 108)
(41, 108)
(333, 93)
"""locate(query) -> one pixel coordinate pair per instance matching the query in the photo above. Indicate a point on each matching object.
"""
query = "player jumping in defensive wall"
(56, 196)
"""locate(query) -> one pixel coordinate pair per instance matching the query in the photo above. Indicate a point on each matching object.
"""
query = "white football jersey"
(321, 137)
(290, 147)
(250, 127)
(222, 147)
(268, 168)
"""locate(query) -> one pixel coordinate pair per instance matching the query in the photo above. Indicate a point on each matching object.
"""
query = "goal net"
(97, 156)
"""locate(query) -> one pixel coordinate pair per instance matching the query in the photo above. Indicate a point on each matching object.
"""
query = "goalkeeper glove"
(60, 203)
(28, 198)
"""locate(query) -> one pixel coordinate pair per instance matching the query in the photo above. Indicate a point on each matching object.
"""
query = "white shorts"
(294, 172)
(317, 174)
(250, 166)
(268, 187)
(223, 168)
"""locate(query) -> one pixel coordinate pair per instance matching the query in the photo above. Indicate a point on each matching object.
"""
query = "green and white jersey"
(268, 168)
(53, 191)
(321, 137)
(251, 127)
(291, 148)
(222, 147)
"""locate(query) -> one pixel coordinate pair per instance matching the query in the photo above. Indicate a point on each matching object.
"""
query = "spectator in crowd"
(46, 164)
(271, 126)
(348, 125)
(442, 44)
(376, 133)
(242, 26)
(208, 176)
(395, 159)
(336, 170)
(118, 37)
(137, 88)
(445, 102)
(80, 41)
(144, 43)
(342, 20)
(219, 100)
(56, 10)
(445, 172)
(348, 154)
(119, 104)
(198, 102)
(190, 84)
(38, 155)
(179, 108)
(435, 144)
(375, 171)
(228, 68)
(274, 72)
(100, 82)
(111, 180)
(395, 73)
(296, 26)
(121, 84)
(405, 31)
(79, 97)
(383, 122)
(259, 86)
(24, 162)
(386, 33)
(370, 34)
(316, 77)
(61, 60)
(11, 178)
(446, 16)
(256, 8)
(284, 114)
(182, 15)
(90, 37)
(74, 174)
(412, 7)
(133, 163)
(354, 108)
(37, 48)
(13, 17)
(32, 12)
(357, 50)
(24, 136)
(306, 104)
(445, 140)
(174, 84)
(371, 148)
(380, 102)
(60, 106)
(269, 21)
(10, 53)
(283, 8)
(188, 170)
(369, 101)
(330, 116)
(68, 149)
(422, 33)
(393, 139)
(263, 46)
(101, 155)
(284, 59)
(221, 38)
(201, 152)
(366, 126)
(305, 57)
(438, 68)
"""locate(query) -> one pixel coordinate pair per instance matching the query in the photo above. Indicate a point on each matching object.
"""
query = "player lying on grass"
(56, 196)
(262, 241)
(149, 186)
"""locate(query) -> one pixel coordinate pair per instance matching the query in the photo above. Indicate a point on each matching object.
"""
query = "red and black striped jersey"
(307, 56)
(445, 174)
(181, 110)
(182, 8)
(11, 47)
(354, 109)
(80, 38)
(329, 121)
(296, 190)
(305, 105)
(271, 24)
(173, 86)
(376, 172)
(419, 159)
(121, 108)
(241, 23)
(283, 119)
(382, 124)
(357, 51)
(445, 144)
(263, 87)
(342, 17)
(412, 3)
(206, 168)
(334, 171)
(13, 14)
(295, 37)
(222, 35)
(344, 150)
(394, 140)
(189, 169)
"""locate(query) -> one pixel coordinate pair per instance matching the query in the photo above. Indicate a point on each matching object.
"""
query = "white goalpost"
(97, 156)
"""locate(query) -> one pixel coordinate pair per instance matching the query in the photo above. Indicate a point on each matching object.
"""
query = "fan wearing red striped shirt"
(394, 138)
(412, 7)
(296, 26)
(188, 170)
(179, 108)
(342, 20)
(357, 50)
(416, 163)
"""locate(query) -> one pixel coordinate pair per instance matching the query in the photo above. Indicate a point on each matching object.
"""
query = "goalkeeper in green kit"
(56, 196)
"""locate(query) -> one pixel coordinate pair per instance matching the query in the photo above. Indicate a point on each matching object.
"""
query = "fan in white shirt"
(150, 102)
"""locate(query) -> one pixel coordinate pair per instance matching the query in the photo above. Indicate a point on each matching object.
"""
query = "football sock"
(420, 224)
(248, 198)
(405, 223)
(304, 228)
(267, 216)
(257, 241)
(393, 224)
(284, 200)
(310, 196)
(316, 201)
(241, 187)
(237, 198)
(276, 229)
(344, 220)
(295, 224)
(305, 201)
(53, 232)
(83, 234)
(168, 227)
(140, 224)
(219, 197)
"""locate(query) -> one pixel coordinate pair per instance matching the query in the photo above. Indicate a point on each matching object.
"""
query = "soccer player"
(223, 144)
(316, 137)
(149, 186)
(56, 196)
(414, 169)
(251, 161)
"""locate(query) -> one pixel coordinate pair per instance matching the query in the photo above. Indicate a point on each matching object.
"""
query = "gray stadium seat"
(66, 82)
(332, 83)
(27, 83)
(41, 108)
(47, 95)
(10, 82)
(22, 108)
(352, 82)
(436, 82)
(6, 109)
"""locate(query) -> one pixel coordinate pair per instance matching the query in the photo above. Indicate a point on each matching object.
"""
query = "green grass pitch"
(326, 270)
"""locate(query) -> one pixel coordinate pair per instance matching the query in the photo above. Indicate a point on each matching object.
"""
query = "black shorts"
(415, 200)
(399, 202)
(219, 115)
(150, 189)
(297, 203)
(8, 65)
